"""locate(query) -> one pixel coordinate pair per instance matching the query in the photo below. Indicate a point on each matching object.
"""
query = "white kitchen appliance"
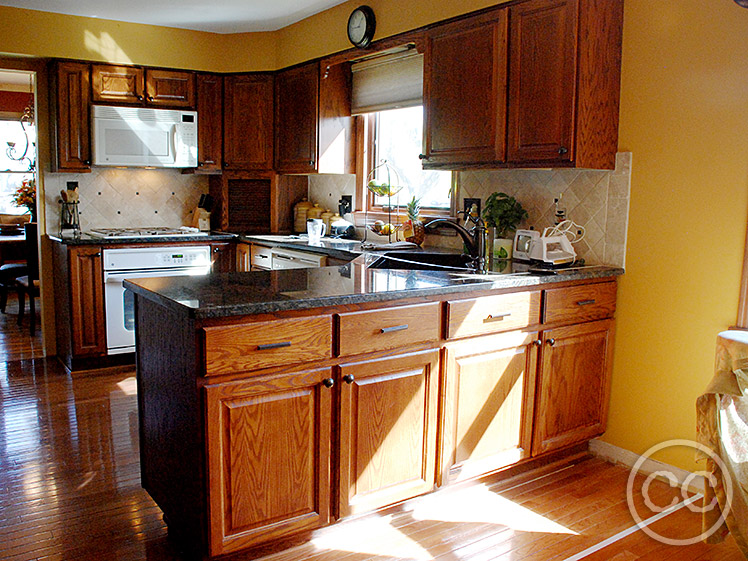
(139, 263)
(288, 259)
(522, 240)
(144, 137)
(552, 250)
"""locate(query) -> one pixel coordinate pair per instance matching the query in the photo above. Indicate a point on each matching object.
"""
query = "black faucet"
(475, 238)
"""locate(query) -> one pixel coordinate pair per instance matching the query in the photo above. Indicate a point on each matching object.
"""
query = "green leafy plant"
(503, 213)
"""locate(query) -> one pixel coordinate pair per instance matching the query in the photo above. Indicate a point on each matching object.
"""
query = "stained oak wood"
(248, 122)
(223, 257)
(542, 81)
(337, 131)
(492, 314)
(209, 123)
(387, 328)
(111, 83)
(269, 456)
(387, 430)
(170, 88)
(296, 119)
(243, 257)
(573, 384)
(71, 94)
(487, 404)
(243, 347)
(261, 257)
(86, 279)
(580, 303)
(465, 91)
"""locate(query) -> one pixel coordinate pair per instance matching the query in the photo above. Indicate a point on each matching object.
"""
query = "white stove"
(155, 232)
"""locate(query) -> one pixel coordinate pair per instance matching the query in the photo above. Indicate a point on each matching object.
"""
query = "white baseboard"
(617, 455)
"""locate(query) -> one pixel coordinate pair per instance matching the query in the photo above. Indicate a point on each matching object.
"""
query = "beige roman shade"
(387, 81)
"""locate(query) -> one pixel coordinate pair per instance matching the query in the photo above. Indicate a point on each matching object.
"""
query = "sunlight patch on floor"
(481, 506)
(129, 386)
(372, 537)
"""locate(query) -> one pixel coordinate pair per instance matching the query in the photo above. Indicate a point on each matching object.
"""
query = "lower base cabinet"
(388, 421)
(268, 444)
(573, 385)
(487, 403)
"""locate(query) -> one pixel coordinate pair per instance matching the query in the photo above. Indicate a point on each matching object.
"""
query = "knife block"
(201, 219)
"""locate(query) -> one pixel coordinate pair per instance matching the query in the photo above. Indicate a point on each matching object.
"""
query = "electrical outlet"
(467, 204)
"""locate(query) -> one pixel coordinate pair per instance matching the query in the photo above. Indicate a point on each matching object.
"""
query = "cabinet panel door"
(209, 122)
(243, 257)
(72, 140)
(124, 84)
(542, 80)
(296, 117)
(489, 392)
(222, 255)
(268, 456)
(170, 88)
(465, 92)
(248, 122)
(573, 385)
(87, 301)
(387, 430)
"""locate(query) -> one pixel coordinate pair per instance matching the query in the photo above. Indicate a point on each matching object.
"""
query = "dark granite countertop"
(234, 294)
(86, 239)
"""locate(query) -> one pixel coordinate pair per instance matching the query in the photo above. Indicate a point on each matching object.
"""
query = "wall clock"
(361, 26)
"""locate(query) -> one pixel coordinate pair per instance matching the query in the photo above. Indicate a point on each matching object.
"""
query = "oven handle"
(119, 277)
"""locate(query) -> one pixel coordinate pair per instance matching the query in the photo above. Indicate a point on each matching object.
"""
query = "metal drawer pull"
(497, 317)
(273, 346)
(585, 302)
(394, 328)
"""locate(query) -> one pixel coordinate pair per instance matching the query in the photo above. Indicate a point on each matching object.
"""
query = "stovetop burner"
(154, 232)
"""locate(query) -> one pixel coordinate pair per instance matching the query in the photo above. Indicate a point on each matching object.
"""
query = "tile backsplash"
(595, 199)
(114, 198)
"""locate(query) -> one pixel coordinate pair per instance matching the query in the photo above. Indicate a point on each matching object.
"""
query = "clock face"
(361, 26)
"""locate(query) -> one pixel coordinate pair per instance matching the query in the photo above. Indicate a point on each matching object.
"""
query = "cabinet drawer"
(236, 348)
(377, 330)
(580, 303)
(492, 314)
(261, 257)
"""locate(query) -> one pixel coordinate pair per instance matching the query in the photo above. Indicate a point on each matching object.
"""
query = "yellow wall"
(684, 115)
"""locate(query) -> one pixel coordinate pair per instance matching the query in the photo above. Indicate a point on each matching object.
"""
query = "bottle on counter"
(326, 218)
(299, 216)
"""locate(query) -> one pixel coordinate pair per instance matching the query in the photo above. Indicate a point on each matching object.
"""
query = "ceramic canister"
(299, 216)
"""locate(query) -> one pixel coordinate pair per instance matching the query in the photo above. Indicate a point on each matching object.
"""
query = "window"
(12, 172)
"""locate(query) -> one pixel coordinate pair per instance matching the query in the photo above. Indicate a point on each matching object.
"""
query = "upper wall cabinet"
(70, 98)
(465, 92)
(209, 123)
(130, 84)
(248, 122)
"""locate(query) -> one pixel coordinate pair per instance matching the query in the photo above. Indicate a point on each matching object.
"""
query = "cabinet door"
(465, 92)
(170, 88)
(573, 385)
(388, 425)
(243, 257)
(124, 84)
(209, 122)
(248, 122)
(296, 107)
(222, 255)
(542, 80)
(268, 444)
(487, 403)
(71, 126)
(87, 301)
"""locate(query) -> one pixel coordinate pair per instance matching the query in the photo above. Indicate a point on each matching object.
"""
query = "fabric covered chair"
(28, 285)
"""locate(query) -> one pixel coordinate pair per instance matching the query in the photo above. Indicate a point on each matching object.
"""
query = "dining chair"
(28, 285)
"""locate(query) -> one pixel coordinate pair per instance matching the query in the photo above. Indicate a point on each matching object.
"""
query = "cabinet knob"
(348, 378)
(200, 164)
(140, 98)
(87, 162)
(328, 382)
(563, 150)
(423, 157)
(150, 98)
(537, 342)
(226, 165)
(551, 341)
(311, 163)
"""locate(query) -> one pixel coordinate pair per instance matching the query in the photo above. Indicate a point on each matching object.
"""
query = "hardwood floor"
(70, 489)
(15, 341)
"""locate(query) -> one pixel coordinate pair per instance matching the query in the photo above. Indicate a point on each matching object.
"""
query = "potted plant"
(503, 214)
(25, 195)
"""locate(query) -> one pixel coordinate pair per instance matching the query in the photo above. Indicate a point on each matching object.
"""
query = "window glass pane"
(11, 132)
(9, 182)
(399, 137)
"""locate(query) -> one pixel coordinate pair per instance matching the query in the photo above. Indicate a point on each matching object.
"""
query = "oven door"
(120, 308)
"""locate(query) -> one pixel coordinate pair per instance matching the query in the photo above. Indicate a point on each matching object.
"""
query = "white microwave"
(144, 137)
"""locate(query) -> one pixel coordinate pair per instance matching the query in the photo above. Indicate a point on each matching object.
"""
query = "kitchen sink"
(424, 261)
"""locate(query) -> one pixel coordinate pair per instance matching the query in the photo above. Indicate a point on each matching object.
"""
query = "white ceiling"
(217, 16)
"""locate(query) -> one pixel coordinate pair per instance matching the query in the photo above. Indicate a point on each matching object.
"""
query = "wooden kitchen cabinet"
(209, 123)
(223, 257)
(70, 97)
(388, 423)
(487, 404)
(136, 85)
(248, 122)
(464, 91)
(573, 385)
(243, 257)
(268, 448)
(296, 118)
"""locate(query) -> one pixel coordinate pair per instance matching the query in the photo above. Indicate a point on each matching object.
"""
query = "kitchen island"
(273, 403)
